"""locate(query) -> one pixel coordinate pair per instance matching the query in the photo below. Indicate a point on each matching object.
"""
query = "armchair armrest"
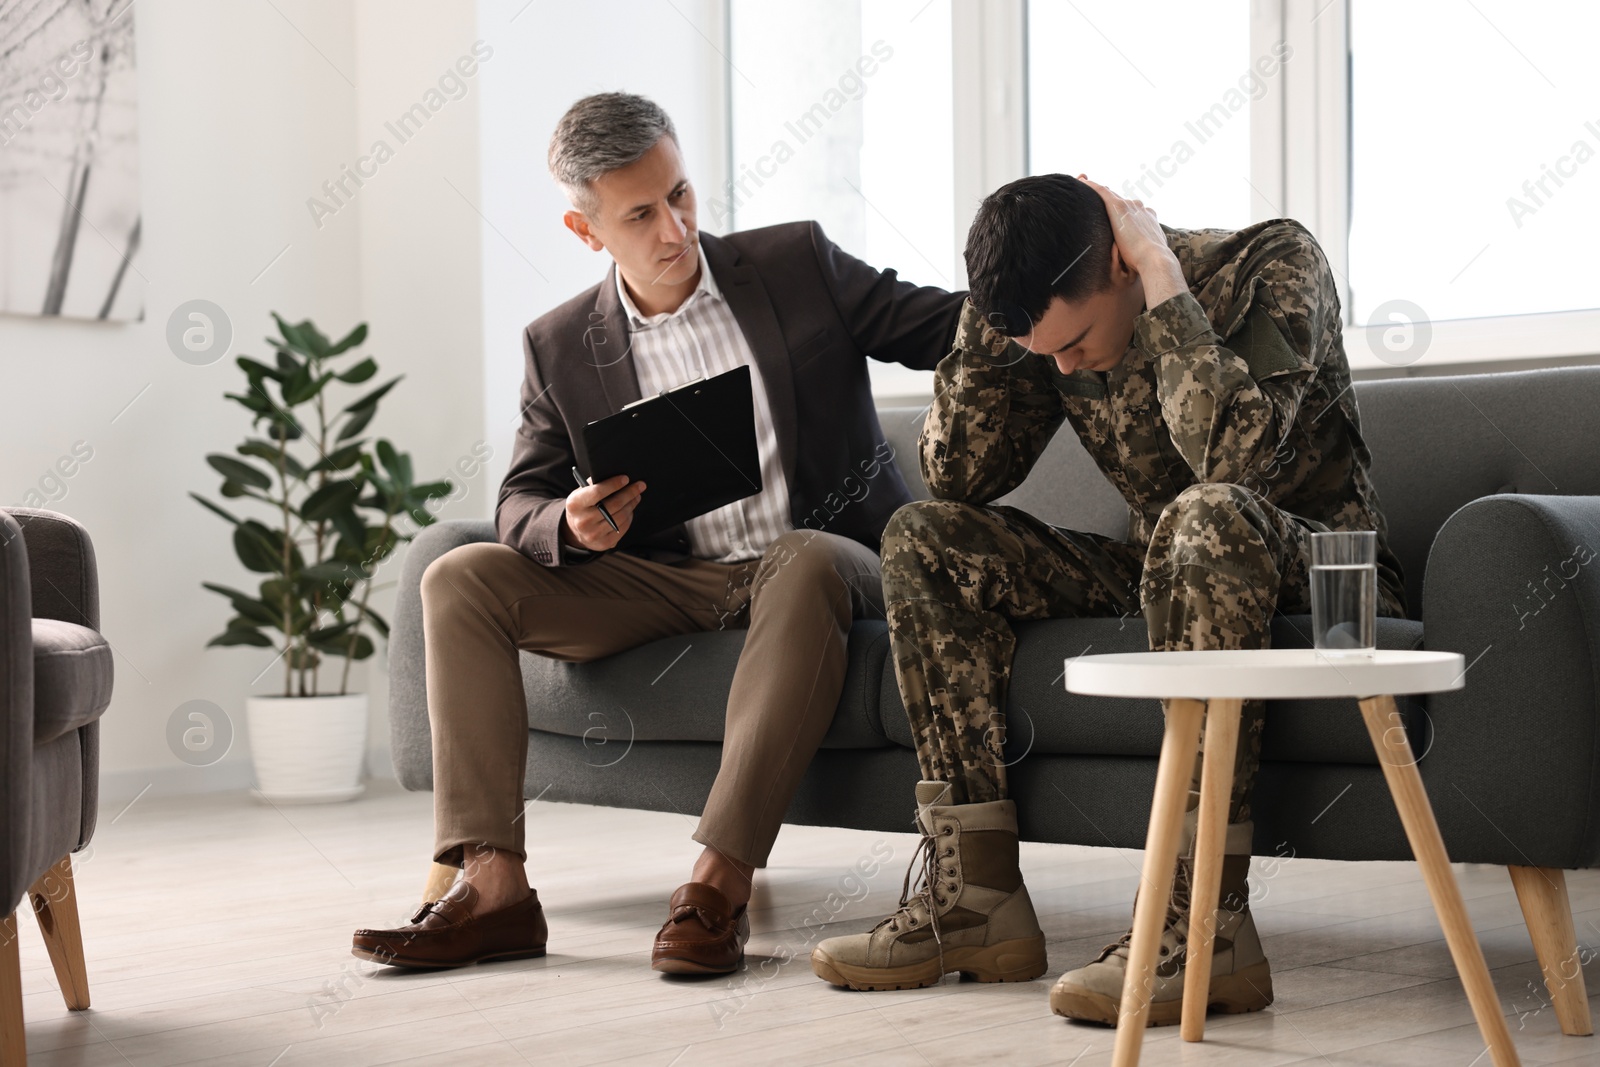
(61, 565)
(410, 738)
(1513, 584)
(16, 706)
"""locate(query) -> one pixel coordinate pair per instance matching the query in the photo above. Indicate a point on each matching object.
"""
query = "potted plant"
(333, 507)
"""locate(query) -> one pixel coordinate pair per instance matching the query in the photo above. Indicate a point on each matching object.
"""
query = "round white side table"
(1211, 686)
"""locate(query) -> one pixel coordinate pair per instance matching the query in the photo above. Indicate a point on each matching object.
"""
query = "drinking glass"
(1344, 592)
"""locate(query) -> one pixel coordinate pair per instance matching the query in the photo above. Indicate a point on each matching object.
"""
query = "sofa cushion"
(1043, 717)
(71, 678)
(676, 689)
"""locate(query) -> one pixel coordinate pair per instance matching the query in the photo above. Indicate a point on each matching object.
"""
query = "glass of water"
(1344, 592)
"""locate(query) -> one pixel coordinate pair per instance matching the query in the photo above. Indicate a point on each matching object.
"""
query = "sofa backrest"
(1437, 443)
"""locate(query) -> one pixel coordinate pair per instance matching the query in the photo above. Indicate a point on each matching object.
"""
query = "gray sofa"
(1491, 486)
(55, 682)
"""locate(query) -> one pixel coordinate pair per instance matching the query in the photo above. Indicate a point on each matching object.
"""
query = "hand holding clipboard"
(599, 513)
(695, 444)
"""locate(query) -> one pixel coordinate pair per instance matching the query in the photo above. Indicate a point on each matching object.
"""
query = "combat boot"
(970, 914)
(1241, 981)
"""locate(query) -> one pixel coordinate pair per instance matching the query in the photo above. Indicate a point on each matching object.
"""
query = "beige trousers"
(482, 603)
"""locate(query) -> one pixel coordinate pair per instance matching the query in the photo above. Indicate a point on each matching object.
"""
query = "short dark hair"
(1037, 238)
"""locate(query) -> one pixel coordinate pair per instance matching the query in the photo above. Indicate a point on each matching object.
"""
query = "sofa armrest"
(61, 565)
(16, 709)
(1513, 584)
(410, 740)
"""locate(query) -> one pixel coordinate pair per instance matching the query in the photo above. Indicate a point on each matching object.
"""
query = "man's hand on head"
(1143, 245)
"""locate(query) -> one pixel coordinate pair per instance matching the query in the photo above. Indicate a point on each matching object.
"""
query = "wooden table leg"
(1173, 770)
(1542, 892)
(1216, 790)
(1422, 830)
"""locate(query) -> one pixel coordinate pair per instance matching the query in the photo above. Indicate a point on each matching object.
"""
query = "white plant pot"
(308, 750)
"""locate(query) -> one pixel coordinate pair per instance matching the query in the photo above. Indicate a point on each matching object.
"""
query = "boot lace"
(924, 890)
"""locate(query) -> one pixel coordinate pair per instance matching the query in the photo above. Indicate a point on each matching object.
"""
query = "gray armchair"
(55, 681)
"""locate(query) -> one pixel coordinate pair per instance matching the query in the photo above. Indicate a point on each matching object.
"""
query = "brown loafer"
(703, 935)
(448, 933)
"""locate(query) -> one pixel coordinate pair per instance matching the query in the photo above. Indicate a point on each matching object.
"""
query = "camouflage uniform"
(1230, 429)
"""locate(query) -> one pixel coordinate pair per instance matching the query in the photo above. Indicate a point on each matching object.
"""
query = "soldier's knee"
(1210, 495)
(1209, 506)
(926, 522)
(911, 545)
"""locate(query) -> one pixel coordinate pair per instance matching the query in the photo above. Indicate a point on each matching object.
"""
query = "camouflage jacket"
(1242, 379)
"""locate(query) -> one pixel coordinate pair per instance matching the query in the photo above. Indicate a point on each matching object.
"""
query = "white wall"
(546, 57)
(244, 112)
(447, 252)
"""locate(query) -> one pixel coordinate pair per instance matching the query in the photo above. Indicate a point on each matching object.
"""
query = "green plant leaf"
(328, 500)
(358, 648)
(270, 452)
(220, 511)
(254, 612)
(238, 470)
(377, 620)
(373, 397)
(272, 591)
(398, 464)
(432, 490)
(357, 422)
(301, 392)
(350, 340)
(232, 594)
(332, 571)
(256, 369)
(360, 372)
(240, 637)
(340, 458)
(303, 337)
(350, 526)
(288, 363)
(254, 401)
(324, 634)
(258, 548)
(379, 543)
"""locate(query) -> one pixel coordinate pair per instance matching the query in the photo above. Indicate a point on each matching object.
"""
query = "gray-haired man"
(794, 563)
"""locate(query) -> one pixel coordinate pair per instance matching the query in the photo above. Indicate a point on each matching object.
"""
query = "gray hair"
(600, 134)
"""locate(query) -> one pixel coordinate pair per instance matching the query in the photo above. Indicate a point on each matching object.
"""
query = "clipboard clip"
(664, 392)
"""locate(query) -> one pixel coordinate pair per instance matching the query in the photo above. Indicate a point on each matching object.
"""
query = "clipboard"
(694, 447)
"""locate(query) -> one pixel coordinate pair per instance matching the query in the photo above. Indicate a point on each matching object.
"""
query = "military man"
(1204, 372)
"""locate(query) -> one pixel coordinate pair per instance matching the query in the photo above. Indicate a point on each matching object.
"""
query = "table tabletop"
(1268, 673)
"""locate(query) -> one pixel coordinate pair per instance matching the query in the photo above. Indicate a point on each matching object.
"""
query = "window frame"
(1300, 163)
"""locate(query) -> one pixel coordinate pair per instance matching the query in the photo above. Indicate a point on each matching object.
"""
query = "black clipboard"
(694, 447)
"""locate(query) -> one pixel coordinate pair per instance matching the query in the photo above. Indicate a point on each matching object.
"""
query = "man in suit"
(794, 563)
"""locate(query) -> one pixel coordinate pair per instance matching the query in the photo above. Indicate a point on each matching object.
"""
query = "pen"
(606, 514)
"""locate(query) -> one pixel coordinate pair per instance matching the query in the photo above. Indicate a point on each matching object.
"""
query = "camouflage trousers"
(1221, 561)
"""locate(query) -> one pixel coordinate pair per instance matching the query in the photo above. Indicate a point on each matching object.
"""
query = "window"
(1153, 100)
(841, 112)
(1475, 158)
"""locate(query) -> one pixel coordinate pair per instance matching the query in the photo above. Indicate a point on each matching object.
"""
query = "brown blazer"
(811, 314)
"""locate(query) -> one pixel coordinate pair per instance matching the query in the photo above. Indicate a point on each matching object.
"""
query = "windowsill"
(1461, 343)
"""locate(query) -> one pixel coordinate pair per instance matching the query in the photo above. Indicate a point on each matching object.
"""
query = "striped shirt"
(702, 339)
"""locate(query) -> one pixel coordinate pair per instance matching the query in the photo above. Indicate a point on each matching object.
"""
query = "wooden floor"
(217, 931)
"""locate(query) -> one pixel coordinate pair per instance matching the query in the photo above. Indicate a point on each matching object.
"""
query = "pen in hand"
(603, 512)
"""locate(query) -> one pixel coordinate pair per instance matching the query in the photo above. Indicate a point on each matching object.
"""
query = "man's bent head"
(1044, 269)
